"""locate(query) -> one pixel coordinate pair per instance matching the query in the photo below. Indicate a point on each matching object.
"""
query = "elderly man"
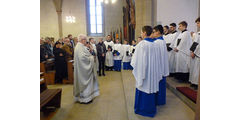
(85, 79)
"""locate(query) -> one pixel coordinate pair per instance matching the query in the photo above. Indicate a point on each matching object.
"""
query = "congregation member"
(43, 52)
(68, 49)
(117, 55)
(60, 63)
(109, 56)
(48, 47)
(158, 32)
(126, 56)
(170, 45)
(182, 52)
(101, 53)
(71, 40)
(147, 72)
(195, 58)
(85, 87)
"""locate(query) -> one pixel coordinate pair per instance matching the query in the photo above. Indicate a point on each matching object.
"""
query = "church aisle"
(116, 102)
(174, 109)
(110, 105)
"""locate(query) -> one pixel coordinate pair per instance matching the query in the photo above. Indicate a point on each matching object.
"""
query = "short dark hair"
(90, 39)
(147, 29)
(166, 26)
(173, 24)
(197, 20)
(159, 28)
(183, 23)
(140, 37)
(69, 35)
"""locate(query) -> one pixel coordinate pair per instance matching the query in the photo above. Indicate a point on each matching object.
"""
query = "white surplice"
(171, 54)
(85, 86)
(109, 55)
(195, 62)
(146, 67)
(163, 61)
(126, 49)
(118, 47)
(182, 57)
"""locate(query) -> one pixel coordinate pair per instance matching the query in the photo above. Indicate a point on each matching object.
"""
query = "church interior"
(63, 20)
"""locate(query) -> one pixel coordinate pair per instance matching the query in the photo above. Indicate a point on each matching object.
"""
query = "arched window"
(94, 18)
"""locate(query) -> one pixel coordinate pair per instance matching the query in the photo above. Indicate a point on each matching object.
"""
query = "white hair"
(81, 37)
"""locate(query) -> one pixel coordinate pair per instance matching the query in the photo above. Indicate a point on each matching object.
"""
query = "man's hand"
(103, 55)
(192, 55)
(46, 56)
(175, 49)
(115, 54)
(60, 54)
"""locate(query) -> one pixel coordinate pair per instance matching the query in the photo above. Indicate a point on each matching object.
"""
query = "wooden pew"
(49, 97)
(70, 73)
(49, 74)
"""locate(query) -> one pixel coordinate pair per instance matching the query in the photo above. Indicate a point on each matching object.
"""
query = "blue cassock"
(146, 104)
(117, 63)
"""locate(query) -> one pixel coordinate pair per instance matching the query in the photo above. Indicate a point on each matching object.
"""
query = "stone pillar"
(58, 6)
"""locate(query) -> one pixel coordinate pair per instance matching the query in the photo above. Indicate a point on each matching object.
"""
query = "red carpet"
(188, 92)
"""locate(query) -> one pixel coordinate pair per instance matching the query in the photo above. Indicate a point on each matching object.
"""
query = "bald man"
(85, 79)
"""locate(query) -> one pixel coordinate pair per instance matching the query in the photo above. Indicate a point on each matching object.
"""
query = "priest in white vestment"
(148, 73)
(195, 60)
(182, 52)
(85, 86)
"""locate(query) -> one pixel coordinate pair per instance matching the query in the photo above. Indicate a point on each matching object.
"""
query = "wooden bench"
(49, 97)
(70, 73)
(49, 74)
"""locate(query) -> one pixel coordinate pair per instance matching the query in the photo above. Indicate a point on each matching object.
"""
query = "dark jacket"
(43, 53)
(101, 48)
(48, 50)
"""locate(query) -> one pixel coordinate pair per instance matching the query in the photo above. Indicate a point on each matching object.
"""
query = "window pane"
(93, 28)
(99, 10)
(99, 28)
(92, 10)
(99, 2)
(99, 19)
(92, 2)
(92, 19)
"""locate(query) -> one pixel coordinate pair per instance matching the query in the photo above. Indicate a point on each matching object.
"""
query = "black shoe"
(99, 75)
(103, 74)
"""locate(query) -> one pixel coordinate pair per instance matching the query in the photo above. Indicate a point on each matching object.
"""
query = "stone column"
(58, 6)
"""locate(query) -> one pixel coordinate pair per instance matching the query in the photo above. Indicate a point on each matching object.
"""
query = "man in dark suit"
(101, 53)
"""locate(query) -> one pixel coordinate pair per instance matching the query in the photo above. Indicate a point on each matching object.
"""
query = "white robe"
(163, 61)
(109, 56)
(126, 49)
(146, 67)
(131, 50)
(85, 86)
(118, 47)
(195, 62)
(182, 57)
(171, 54)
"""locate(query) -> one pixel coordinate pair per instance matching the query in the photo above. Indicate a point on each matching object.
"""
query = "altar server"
(147, 72)
(163, 62)
(195, 57)
(109, 45)
(182, 52)
(117, 55)
(170, 44)
(126, 55)
(131, 52)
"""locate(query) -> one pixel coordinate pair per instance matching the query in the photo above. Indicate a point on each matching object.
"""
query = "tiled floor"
(116, 102)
